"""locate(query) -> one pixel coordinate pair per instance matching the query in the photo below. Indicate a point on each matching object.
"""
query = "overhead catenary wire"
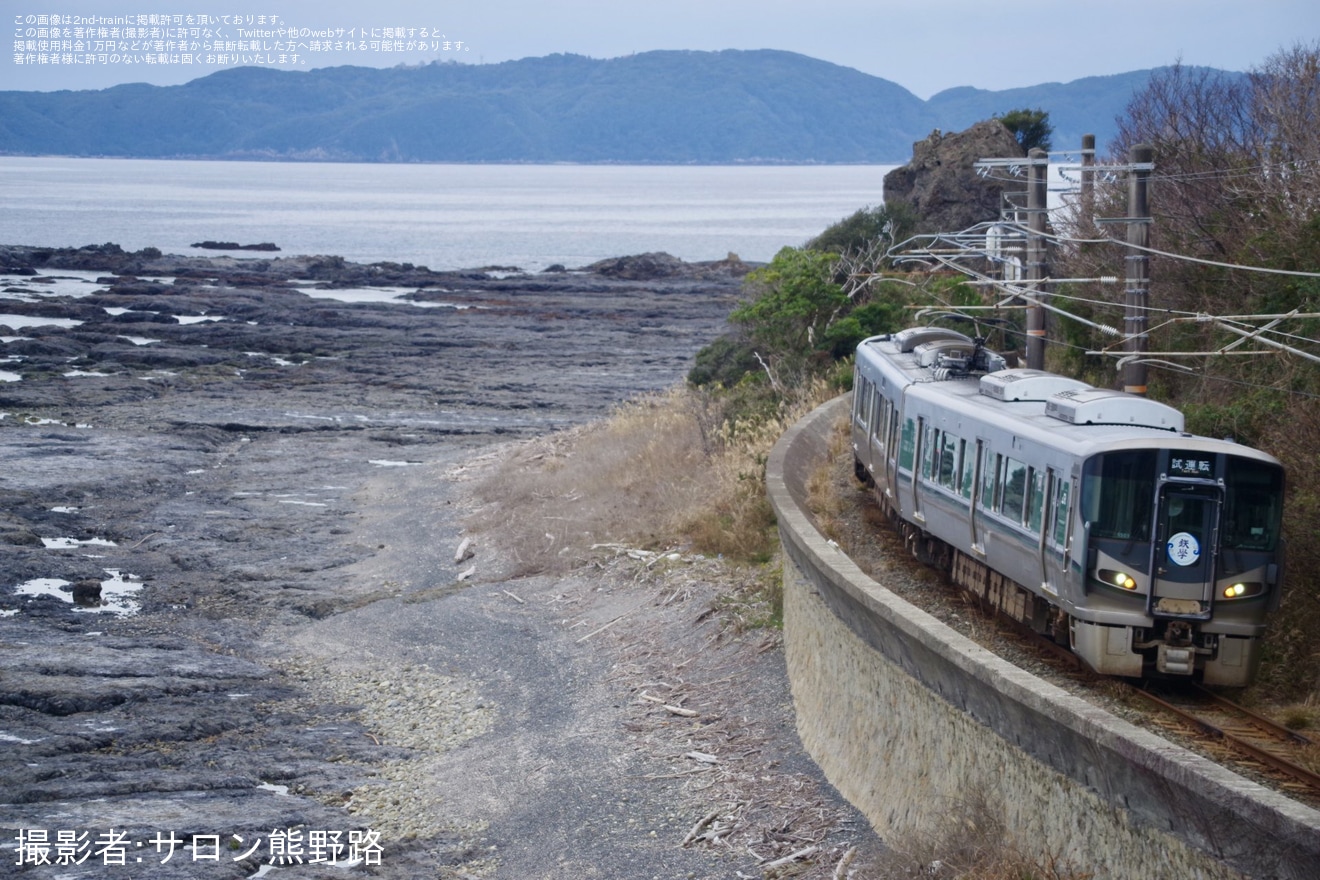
(1019, 288)
(970, 243)
(1172, 316)
(1256, 170)
(1013, 235)
(1066, 239)
(1154, 362)
(1022, 230)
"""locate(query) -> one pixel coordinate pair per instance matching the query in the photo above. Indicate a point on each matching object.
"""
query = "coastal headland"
(253, 475)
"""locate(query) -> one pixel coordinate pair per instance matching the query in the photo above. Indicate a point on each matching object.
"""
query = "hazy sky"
(924, 46)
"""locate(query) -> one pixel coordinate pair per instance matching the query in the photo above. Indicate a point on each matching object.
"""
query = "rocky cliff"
(941, 185)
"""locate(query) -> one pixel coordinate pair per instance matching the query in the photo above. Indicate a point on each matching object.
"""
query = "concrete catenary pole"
(1038, 163)
(1137, 262)
(1088, 176)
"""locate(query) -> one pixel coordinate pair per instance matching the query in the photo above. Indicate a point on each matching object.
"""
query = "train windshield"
(1253, 508)
(1118, 494)
(1118, 497)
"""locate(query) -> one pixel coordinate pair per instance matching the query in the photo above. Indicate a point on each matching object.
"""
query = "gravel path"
(534, 712)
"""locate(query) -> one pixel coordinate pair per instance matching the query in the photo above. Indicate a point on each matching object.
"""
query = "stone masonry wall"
(907, 759)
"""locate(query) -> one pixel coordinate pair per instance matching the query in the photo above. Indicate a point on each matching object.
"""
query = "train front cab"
(1183, 562)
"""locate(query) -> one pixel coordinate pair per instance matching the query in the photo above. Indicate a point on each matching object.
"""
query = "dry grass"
(824, 501)
(1300, 716)
(971, 843)
(665, 471)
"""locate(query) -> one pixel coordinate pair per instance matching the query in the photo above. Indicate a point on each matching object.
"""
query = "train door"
(973, 493)
(920, 462)
(891, 453)
(906, 467)
(1054, 536)
(878, 436)
(1184, 551)
(863, 412)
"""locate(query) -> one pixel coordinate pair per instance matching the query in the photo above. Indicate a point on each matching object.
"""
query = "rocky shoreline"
(261, 463)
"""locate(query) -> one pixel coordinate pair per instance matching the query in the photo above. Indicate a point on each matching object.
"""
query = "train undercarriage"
(1168, 649)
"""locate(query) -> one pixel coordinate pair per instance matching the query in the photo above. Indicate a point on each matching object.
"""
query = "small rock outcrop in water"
(941, 185)
(660, 265)
(642, 267)
(234, 246)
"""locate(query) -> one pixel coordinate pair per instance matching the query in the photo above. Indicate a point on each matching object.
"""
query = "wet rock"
(87, 592)
(43, 345)
(133, 287)
(16, 532)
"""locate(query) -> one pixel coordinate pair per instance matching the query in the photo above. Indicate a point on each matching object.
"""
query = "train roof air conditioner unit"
(1027, 384)
(1104, 406)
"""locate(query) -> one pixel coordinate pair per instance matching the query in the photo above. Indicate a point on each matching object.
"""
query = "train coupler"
(1175, 660)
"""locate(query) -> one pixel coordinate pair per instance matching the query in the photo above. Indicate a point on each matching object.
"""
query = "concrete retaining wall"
(909, 720)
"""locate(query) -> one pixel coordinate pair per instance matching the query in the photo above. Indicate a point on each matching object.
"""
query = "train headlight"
(1119, 579)
(1243, 590)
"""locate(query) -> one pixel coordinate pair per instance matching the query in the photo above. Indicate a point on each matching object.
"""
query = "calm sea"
(441, 216)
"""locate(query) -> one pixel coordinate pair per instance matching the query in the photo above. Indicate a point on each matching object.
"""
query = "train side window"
(1062, 488)
(948, 467)
(881, 423)
(1014, 490)
(908, 445)
(860, 395)
(989, 479)
(930, 453)
(928, 450)
(1036, 503)
(968, 468)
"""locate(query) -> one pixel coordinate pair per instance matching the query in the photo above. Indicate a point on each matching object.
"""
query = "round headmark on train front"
(1184, 549)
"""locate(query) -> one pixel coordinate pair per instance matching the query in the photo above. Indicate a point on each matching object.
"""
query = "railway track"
(1263, 745)
(1229, 733)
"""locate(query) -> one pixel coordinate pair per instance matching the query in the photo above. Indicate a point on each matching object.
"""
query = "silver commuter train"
(1084, 512)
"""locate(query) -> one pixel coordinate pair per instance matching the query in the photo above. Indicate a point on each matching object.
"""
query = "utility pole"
(1088, 177)
(1037, 263)
(1137, 262)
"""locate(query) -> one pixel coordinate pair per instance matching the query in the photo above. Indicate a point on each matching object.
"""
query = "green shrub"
(793, 301)
(724, 362)
(856, 232)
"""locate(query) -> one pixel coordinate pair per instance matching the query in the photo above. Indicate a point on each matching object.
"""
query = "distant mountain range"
(681, 107)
